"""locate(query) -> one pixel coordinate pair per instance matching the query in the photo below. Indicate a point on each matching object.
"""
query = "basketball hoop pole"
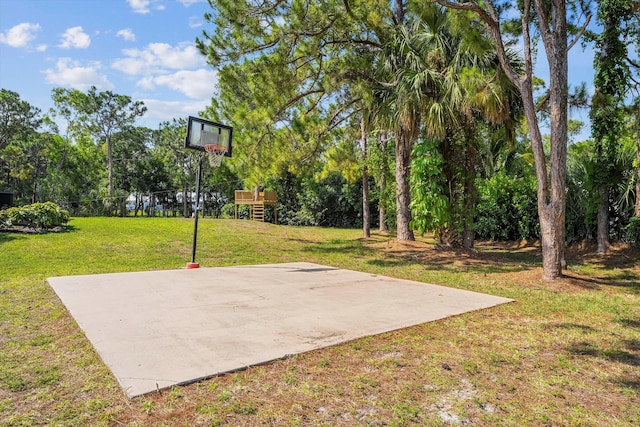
(213, 140)
(193, 263)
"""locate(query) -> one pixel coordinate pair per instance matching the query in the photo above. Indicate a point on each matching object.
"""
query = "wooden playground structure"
(256, 201)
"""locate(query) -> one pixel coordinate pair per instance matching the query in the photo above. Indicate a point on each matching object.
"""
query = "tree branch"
(580, 33)
(543, 25)
(297, 98)
(492, 21)
(371, 43)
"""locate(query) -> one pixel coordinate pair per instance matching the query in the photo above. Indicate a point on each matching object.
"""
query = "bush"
(41, 216)
(507, 208)
(632, 231)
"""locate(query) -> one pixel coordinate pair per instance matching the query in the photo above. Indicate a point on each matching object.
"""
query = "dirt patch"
(519, 261)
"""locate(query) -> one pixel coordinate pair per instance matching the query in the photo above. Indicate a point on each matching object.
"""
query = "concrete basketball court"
(157, 329)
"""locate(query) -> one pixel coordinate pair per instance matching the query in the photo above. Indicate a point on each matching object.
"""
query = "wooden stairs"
(257, 213)
(257, 203)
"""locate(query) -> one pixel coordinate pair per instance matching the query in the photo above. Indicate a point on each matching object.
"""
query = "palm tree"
(448, 81)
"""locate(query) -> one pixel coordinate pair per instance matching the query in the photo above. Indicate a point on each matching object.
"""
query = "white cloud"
(41, 48)
(71, 73)
(20, 35)
(188, 3)
(195, 22)
(127, 34)
(144, 6)
(139, 6)
(198, 84)
(75, 37)
(158, 56)
(167, 110)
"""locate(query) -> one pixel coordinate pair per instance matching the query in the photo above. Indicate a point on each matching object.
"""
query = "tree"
(449, 78)
(74, 173)
(637, 206)
(607, 116)
(550, 18)
(18, 118)
(182, 164)
(21, 160)
(366, 221)
(289, 83)
(100, 113)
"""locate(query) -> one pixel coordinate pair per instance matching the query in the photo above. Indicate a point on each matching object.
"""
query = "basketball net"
(216, 153)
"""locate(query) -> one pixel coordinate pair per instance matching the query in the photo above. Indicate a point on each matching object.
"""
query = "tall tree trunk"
(406, 134)
(552, 187)
(603, 219)
(605, 107)
(559, 87)
(551, 191)
(470, 197)
(404, 143)
(382, 203)
(366, 221)
(637, 209)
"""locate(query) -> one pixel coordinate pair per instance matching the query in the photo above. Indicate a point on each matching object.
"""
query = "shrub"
(633, 231)
(42, 216)
(507, 208)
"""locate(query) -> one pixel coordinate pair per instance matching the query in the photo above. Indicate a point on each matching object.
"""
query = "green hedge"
(507, 208)
(40, 216)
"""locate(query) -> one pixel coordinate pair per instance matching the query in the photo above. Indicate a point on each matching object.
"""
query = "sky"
(141, 48)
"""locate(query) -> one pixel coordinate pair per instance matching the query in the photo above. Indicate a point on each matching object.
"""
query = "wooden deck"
(256, 205)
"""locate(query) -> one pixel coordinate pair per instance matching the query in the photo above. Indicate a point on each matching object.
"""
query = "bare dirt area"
(501, 257)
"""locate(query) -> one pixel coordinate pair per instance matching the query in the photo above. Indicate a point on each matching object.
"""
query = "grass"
(564, 354)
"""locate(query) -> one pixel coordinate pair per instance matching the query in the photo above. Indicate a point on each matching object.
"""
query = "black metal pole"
(195, 222)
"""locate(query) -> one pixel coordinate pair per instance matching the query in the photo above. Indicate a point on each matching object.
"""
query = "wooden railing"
(247, 197)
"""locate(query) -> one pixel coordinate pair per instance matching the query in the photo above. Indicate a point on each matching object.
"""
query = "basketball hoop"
(216, 152)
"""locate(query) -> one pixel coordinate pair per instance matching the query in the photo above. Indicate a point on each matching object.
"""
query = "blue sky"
(141, 48)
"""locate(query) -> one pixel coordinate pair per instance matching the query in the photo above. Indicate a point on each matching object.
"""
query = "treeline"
(153, 174)
(432, 101)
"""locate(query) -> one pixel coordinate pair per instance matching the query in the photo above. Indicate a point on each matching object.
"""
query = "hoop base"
(191, 265)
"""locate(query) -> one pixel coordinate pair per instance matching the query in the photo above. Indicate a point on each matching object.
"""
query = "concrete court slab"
(156, 329)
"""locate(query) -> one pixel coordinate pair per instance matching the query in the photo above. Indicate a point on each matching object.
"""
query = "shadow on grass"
(455, 260)
(584, 348)
(5, 237)
(338, 246)
(485, 258)
(630, 384)
(630, 323)
(574, 326)
(624, 279)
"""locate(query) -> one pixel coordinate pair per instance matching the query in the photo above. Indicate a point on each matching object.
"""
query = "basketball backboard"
(201, 132)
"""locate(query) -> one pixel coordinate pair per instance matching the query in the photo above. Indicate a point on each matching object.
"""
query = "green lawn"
(566, 353)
